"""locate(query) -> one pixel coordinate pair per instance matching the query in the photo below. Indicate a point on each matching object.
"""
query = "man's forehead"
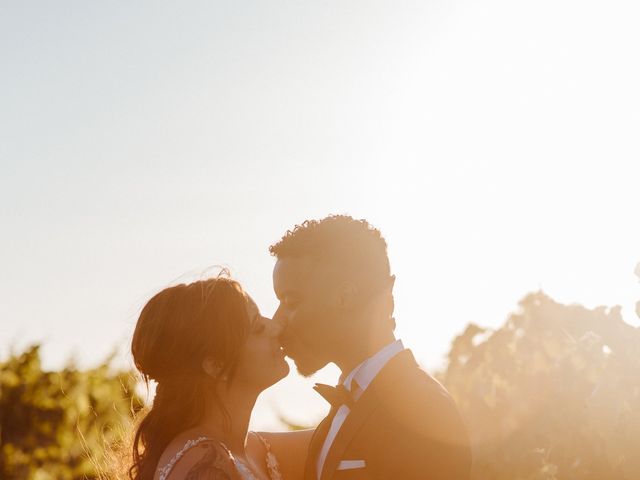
(293, 272)
(292, 269)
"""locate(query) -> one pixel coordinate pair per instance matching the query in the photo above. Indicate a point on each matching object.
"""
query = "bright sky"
(495, 144)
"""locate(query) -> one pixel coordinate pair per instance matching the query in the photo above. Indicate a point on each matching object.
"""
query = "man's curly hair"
(339, 239)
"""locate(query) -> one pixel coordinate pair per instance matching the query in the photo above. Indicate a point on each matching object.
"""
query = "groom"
(389, 419)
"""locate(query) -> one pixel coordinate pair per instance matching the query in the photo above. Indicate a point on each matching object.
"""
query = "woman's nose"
(274, 328)
(280, 321)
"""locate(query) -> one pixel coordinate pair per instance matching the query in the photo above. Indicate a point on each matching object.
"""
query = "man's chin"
(307, 368)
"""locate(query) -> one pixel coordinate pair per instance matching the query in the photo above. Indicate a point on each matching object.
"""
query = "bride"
(211, 354)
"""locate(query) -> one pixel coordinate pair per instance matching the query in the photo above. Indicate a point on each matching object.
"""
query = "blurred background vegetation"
(553, 394)
(62, 425)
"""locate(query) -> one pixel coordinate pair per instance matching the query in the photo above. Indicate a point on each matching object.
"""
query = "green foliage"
(553, 394)
(60, 425)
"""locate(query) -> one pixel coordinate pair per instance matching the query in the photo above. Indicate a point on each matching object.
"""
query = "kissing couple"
(212, 353)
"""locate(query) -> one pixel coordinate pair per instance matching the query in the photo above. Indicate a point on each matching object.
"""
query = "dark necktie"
(336, 396)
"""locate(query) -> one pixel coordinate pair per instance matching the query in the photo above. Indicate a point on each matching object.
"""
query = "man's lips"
(288, 344)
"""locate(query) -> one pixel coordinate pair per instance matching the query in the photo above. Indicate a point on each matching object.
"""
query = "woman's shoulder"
(259, 448)
(198, 458)
(285, 452)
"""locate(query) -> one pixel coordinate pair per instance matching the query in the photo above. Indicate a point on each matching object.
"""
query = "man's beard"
(307, 370)
(306, 350)
(308, 363)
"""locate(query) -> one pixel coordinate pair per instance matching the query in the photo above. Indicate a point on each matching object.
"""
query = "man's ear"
(211, 367)
(347, 296)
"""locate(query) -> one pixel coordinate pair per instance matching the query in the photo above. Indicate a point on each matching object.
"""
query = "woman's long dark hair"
(177, 329)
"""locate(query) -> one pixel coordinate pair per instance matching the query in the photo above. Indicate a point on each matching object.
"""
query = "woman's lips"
(286, 352)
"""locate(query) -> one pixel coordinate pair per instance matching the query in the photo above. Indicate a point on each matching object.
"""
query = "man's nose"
(279, 318)
(280, 327)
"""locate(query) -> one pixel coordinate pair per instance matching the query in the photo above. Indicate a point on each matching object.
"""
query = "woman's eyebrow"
(254, 311)
(287, 293)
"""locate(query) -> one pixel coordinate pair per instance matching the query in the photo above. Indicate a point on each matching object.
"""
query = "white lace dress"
(245, 473)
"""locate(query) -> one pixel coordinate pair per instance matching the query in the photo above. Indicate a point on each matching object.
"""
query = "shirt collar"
(367, 370)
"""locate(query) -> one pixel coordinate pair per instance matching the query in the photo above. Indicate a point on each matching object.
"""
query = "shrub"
(61, 424)
(552, 394)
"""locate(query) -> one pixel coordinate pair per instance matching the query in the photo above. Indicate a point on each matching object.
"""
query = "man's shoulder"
(416, 401)
(402, 375)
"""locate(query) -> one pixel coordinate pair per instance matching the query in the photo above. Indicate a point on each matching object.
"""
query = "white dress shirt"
(363, 375)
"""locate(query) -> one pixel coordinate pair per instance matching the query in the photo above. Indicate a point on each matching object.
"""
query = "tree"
(61, 424)
(553, 394)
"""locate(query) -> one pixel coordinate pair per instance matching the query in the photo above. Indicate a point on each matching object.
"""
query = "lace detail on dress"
(273, 468)
(166, 470)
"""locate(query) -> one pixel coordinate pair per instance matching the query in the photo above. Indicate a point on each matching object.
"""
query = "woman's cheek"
(260, 350)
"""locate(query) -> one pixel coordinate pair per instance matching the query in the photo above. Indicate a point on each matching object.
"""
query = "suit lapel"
(317, 440)
(361, 411)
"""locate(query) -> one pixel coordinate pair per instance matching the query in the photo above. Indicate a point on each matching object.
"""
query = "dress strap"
(166, 470)
(272, 463)
(273, 467)
(263, 440)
